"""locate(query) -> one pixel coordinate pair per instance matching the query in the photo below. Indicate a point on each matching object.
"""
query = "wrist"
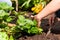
(39, 16)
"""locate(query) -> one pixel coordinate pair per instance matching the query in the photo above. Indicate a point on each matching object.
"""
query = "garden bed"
(20, 26)
(54, 35)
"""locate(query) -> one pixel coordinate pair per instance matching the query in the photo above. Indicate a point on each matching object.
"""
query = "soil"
(54, 35)
(41, 37)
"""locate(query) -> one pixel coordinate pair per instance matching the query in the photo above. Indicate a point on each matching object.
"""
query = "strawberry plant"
(33, 5)
(5, 6)
(22, 24)
(28, 25)
(4, 20)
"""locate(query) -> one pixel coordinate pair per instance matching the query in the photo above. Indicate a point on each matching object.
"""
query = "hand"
(38, 19)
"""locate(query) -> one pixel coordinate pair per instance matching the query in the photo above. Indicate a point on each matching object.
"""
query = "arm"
(51, 7)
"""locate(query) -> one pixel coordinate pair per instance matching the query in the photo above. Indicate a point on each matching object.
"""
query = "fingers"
(38, 24)
(37, 19)
(32, 16)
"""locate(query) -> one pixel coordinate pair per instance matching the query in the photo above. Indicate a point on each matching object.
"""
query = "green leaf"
(9, 19)
(26, 4)
(2, 25)
(21, 23)
(30, 22)
(5, 6)
(3, 13)
(40, 30)
(21, 17)
(34, 30)
(11, 37)
(3, 36)
(27, 26)
(15, 13)
(29, 31)
(35, 22)
(21, 20)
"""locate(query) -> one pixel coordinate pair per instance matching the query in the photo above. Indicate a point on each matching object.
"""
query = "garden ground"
(54, 35)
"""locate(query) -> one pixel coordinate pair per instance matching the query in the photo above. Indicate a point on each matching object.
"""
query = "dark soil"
(41, 37)
(54, 35)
